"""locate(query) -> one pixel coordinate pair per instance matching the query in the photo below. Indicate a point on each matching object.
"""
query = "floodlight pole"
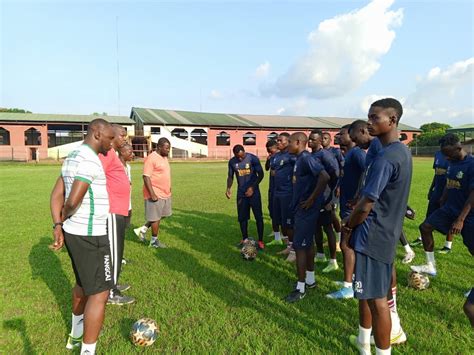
(118, 66)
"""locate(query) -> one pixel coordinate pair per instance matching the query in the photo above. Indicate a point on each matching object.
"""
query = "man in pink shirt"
(118, 188)
(156, 192)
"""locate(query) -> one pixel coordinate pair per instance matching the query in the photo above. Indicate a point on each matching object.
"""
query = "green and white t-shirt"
(90, 219)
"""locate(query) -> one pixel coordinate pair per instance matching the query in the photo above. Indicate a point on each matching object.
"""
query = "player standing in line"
(440, 166)
(325, 221)
(156, 192)
(249, 174)
(118, 188)
(283, 169)
(456, 215)
(126, 156)
(309, 182)
(272, 150)
(353, 170)
(375, 225)
(79, 208)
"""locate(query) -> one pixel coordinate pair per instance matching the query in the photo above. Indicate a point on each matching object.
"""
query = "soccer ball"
(418, 281)
(144, 332)
(248, 251)
(250, 241)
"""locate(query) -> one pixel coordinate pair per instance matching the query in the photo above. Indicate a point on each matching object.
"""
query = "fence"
(430, 151)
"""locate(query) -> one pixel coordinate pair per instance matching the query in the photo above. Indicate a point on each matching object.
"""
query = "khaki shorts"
(156, 210)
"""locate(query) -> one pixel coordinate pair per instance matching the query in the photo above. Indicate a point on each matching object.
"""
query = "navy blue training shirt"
(305, 177)
(440, 166)
(271, 179)
(387, 183)
(374, 148)
(283, 166)
(330, 164)
(459, 184)
(337, 153)
(246, 172)
(354, 167)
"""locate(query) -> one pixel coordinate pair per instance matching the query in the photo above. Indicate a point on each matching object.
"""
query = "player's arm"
(267, 163)
(230, 181)
(360, 212)
(257, 167)
(56, 206)
(321, 184)
(78, 191)
(459, 222)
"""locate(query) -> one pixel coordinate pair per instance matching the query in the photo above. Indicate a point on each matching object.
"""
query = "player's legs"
(381, 322)
(94, 313)
(332, 264)
(256, 205)
(318, 239)
(409, 253)
(243, 216)
(469, 307)
(346, 290)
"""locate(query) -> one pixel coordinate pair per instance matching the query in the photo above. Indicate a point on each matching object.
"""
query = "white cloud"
(343, 53)
(296, 108)
(262, 70)
(216, 95)
(442, 95)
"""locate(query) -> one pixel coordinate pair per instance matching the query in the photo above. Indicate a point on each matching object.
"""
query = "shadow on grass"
(19, 325)
(46, 266)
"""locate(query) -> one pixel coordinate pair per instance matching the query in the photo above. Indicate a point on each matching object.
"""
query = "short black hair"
(316, 131)
(390, 103)
(449, 139)
(271, 143)
(162, 141)
(346, 126)
(285, 134)
(238, 148)
(357, 124)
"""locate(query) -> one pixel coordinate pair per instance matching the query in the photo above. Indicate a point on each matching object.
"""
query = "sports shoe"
(309, 286)
(260, 245)
(139, 233)
(444, 250)
(424, 269)
(338, 283)
(342, 293)
(119, 299)
(468, 293)
(364, 349)
(408, 258)
(295, 296)
(416, 242)
(330, 267)
(241, 243)
(275, 242)
(395, 339)
(285, 251)
(122, 288)
(157, 244)
(291, 257)
(320, 259)
(73, 343)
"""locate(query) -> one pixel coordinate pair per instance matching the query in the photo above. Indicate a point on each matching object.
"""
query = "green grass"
(204, 297)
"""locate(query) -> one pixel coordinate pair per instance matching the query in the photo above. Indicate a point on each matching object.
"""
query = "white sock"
(408, 248)
(300, 286)
(88, 347)
(333, 261)
(448, 244)
(338, 237)
(320, 255)
(347, 284)
(277, 235)
(395, 322)
(310, 277)
(383, 351)
(77, 328)
(430, 257)
(154, 239)
(143, 229)
(364, 335)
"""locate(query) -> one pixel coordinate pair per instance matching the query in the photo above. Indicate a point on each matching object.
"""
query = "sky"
(314, 58)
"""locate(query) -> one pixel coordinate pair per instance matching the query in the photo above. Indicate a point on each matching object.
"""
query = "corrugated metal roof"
(59, 118)
(188, 118)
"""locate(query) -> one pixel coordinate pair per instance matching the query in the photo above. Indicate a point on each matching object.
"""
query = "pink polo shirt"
(157, 168)
(117, 182)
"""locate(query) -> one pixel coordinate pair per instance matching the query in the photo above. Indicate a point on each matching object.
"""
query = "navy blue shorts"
(324, 218)
(433, 205)
(282, 213)
(244, 204)
(270, 205)
(442, 220)
(372, 278)
(470, 297)
(304, 228)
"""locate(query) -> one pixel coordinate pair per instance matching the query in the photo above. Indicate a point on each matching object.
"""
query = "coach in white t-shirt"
(79, 208)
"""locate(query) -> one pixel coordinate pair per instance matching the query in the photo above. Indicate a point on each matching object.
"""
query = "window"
(199, 135)
(155, 130)
(273, 136)
(32, 137)
(250, 138)
(179, 133)
(223, 138)
(4, 136)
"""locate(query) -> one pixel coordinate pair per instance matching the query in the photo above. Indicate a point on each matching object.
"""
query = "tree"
(434, 126)
(13, 110)
(100, 114)
(431, 134)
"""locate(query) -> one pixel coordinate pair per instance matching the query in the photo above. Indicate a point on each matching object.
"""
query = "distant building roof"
(187, 118)
(468, 127)
(59, 118)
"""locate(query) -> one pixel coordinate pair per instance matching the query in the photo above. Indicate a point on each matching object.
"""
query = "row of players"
(373, 190)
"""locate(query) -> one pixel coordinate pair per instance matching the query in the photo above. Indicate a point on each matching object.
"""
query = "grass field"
(203, 295)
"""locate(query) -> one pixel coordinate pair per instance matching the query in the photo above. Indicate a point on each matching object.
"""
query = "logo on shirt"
(453, 184)
(247, 166)
(281, 162)
(358, 287)
(459, 175)
(440, 171)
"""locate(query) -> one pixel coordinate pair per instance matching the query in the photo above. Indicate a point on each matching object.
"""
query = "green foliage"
(434, 127)
(432, 133)
(204, 297)
(14, 110)
(100, 114)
